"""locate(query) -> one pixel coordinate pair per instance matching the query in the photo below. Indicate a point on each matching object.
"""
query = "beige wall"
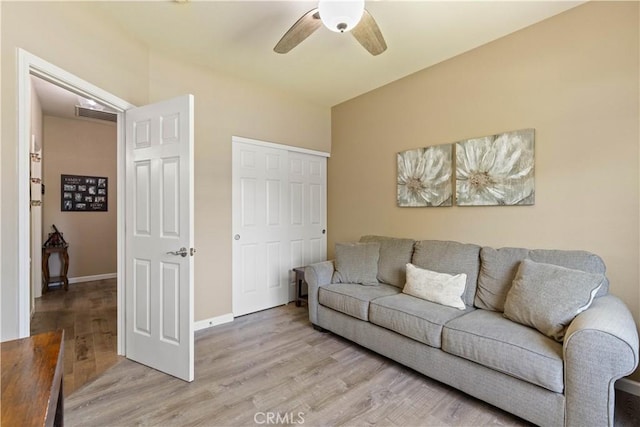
(36, 120)
(574, 78)
(35, 211)
(69, 35)
(79, 147)
(225, 107)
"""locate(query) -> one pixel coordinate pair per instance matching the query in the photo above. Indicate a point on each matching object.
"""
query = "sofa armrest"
(317, 275)
(600, 346)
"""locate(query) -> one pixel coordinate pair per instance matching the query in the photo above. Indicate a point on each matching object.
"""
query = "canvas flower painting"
(424, 176)
(496, 170)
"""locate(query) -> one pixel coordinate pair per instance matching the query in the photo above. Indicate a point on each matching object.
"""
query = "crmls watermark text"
(278, 418)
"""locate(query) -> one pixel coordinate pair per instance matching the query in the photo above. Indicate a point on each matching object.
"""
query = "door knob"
(182, 252)
(236, 237)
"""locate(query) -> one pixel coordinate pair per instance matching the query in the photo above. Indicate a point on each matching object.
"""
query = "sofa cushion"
(394, 255)
(451, 258)
(487, 338)
(353, 299)
(499, 267)
(413, 317)
(548, 297)
(356, 263)
(441, 288)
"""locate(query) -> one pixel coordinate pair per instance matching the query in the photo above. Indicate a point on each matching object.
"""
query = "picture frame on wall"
(80, 193)
(496, 170)
(424, 176)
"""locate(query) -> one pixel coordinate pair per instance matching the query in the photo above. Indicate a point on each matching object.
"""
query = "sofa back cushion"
(499, 267)
(394, 256)
(497, 270)
(451, 258)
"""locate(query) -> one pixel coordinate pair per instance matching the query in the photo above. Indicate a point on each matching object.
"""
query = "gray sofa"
(478, 350)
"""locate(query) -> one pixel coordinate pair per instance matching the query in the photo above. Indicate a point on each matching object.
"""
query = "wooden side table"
(299, 271)
(64, 258)
(32, 381)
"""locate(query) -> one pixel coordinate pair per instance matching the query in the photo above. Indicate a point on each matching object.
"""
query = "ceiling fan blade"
(368, 35)
(302, 29)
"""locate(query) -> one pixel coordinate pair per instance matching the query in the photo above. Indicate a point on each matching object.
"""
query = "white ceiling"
(236, 38)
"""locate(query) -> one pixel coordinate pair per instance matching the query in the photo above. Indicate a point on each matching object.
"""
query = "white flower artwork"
(496, 170)
(424, 177)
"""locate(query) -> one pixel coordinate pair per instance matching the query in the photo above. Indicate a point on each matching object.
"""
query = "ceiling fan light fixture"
(340, 15)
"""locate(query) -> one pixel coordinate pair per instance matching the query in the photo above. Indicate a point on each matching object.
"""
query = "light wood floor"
(87, 313)
(273, 361)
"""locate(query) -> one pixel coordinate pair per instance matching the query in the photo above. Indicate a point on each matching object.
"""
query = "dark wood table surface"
(31, 388)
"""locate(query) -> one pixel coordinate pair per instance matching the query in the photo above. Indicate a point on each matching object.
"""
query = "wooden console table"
(31, 388)
(64, 259)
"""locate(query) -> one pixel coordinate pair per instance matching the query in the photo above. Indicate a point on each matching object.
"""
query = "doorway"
(152, 310)
(30, 65)
(77, 137)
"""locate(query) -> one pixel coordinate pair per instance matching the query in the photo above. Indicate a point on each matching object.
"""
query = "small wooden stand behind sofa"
(478, 350)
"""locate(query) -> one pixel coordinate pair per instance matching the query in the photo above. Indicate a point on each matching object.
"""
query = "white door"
(279, 220)
(259, 186)
(159, 236)
(308, 201)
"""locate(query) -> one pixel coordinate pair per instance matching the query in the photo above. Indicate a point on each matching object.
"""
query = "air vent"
(95, 114)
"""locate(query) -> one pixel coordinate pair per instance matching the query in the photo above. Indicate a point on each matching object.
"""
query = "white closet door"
(279, 220)
(260, 222)
(308, 201)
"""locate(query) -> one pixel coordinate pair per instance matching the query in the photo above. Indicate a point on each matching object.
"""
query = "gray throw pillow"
(548, 297)
(356, 263)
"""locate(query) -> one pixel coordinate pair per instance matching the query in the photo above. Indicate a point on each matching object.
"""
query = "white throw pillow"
(441, 288)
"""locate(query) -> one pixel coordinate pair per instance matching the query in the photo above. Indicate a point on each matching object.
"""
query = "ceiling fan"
(338, 16)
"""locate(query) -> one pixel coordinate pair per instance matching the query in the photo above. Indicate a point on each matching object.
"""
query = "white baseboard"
(92, 278)
(629, 386)
(213, 321)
